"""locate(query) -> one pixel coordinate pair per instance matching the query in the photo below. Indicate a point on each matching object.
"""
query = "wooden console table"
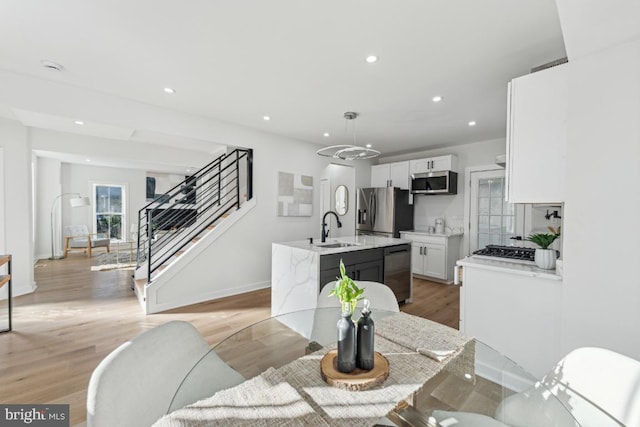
(5, 279)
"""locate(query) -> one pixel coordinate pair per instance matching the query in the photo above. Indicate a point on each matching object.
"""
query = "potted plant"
(348, 293)
(346, 290)
(545, 258)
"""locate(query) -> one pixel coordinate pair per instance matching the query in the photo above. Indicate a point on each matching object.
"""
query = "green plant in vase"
(544, 240)
(346, 290)
(544, 257)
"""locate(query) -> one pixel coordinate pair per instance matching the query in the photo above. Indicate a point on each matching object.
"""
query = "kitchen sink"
(335, 245)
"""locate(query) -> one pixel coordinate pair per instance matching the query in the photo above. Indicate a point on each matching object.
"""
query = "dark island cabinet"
(366, 265)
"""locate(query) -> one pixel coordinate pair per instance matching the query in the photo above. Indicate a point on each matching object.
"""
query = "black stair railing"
(171, 221)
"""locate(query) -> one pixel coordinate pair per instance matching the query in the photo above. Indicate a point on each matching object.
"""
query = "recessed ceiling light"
(87, 160)
(436, 98)
(188, 170)
(169, 90)
(266, 118)
(79, 122)
(472, 123)
(371, 59)
(50, 65)
(326, 134)
(368, 145)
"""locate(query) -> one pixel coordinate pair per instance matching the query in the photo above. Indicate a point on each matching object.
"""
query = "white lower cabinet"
(516, 314)
(433, 256)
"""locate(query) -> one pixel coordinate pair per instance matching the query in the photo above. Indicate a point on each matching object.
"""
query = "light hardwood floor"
(76, 317)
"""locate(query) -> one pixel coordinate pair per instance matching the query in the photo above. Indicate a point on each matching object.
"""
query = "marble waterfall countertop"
(509, 267)
(295, 269)
(350, 244)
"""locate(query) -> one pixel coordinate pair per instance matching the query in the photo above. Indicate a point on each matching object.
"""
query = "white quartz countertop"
(353, 243)
(426, 233)
(509, 267)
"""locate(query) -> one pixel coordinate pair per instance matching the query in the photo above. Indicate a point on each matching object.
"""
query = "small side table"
(127, 245)
(5, 279)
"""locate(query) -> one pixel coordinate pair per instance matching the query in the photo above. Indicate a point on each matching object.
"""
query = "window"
(109, 206)
(492, 221)
(496, 218)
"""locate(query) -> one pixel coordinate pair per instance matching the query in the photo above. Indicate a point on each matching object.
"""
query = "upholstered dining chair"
(586, 382)
(77, 237)
(136, 383)
(380, 295)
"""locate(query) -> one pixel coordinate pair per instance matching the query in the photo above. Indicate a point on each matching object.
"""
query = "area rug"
(111, 261)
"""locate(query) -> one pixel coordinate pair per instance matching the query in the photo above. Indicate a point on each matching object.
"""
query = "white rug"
(110, 261)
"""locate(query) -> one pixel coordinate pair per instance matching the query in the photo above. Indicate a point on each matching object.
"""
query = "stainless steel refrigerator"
(383, 211)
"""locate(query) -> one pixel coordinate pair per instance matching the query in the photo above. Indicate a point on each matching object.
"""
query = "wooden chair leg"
(89, 249)
(66, 246)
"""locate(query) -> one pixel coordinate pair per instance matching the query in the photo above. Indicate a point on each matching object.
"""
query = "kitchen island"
(299, 269)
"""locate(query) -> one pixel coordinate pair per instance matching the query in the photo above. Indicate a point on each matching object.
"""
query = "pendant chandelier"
(349, 152)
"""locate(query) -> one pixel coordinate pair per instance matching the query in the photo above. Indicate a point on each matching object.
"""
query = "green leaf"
(544, 240)
(346, 290)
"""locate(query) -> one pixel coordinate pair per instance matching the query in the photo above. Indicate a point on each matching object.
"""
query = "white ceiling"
(299, 61)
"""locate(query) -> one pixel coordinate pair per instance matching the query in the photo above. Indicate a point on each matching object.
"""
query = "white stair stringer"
(166, 279)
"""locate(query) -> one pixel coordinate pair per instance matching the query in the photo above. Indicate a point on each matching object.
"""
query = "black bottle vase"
(346, 344)
(365, 334)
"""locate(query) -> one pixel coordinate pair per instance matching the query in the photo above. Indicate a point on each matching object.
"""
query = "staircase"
(194, 213)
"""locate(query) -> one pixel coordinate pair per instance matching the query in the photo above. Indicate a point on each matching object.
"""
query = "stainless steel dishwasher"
(397, 271)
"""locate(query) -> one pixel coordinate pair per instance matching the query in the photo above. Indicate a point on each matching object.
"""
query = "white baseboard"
(208, 296)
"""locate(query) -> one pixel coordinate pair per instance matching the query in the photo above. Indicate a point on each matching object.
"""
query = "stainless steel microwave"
(443, 182)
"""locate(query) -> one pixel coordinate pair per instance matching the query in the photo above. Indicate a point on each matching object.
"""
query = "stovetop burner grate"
(508, 252)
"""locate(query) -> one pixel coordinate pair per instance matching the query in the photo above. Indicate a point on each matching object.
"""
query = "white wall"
(601, 290)
(50, 181)
(450, 207)
(17, 203)
(80, 179)
(47, 188)
(241, 259)
(342, 175)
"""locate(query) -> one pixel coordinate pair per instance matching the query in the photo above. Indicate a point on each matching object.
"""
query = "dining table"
(434, 371)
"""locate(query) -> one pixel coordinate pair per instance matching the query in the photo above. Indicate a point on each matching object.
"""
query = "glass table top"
(496, 392)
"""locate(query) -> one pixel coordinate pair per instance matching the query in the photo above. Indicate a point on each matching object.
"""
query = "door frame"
(466, 238)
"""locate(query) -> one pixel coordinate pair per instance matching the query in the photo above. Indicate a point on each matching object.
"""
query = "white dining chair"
(380, 295)
(136, 383)
(381, 298)
(586, 382)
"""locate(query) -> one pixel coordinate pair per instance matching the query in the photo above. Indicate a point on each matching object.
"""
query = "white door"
(492, 220)
(441, 163)
(419, 166)
(434, 265)
(379, 175)
(399, 175)
(417, 260)
(325, 196)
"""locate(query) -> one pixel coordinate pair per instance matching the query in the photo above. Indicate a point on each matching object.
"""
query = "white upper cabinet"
(440, 163)
(391, 175)
(536, 136)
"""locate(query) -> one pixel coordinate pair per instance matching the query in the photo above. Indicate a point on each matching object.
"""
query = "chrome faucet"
(324, 224)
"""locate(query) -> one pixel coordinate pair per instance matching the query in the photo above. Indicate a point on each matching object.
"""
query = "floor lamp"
(76, 202)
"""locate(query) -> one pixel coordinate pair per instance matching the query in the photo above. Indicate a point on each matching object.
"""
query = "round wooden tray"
(357, 380)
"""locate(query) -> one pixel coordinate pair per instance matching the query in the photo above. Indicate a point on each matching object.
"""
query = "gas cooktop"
(507, 253)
